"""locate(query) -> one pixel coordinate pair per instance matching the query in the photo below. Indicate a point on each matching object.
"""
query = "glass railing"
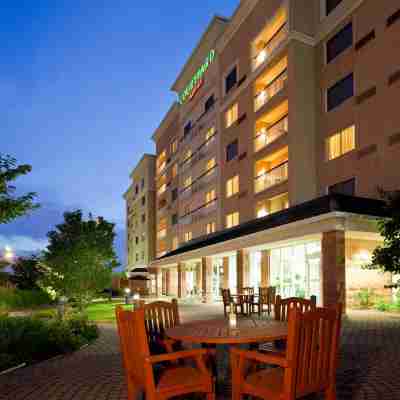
(265, 136)
(271, 178)
(270, 91)
(279, 37)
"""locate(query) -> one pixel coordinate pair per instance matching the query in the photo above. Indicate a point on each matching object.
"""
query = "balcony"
(186, 219)
(270, 90)
(205, 210)
(268, 48)
(271, 178)
(265, 136)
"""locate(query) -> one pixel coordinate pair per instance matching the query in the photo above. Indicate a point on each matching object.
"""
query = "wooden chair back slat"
(134, 346)
(312, 350)
(226, 296)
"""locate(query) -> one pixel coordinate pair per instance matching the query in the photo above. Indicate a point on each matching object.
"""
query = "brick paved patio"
(369, 364)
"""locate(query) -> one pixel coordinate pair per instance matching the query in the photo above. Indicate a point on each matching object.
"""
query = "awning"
(138, 273)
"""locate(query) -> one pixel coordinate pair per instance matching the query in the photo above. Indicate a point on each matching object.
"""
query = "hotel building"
(269, 163)
(140, 222)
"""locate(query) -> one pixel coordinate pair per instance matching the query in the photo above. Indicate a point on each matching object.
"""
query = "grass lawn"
(105, 311)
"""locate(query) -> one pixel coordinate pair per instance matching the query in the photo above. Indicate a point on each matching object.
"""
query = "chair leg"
(330, 393)
(210, 396)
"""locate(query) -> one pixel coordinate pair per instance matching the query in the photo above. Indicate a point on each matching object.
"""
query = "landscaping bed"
(29, 339)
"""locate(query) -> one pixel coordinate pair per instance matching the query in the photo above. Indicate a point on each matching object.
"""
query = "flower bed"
(29, 340)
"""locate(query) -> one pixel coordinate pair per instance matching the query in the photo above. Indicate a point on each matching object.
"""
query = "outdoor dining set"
(286, 357)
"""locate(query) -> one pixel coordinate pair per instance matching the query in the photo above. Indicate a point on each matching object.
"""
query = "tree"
(387, 256)
(80, 257)
(12, 206)
(27, 273)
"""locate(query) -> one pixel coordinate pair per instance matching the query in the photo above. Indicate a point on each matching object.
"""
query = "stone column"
(198, 278)
(242, 266)
(167, 282)
(333, 268)
(180, 283)
(206, 278)
(265, 268)
(225, 265)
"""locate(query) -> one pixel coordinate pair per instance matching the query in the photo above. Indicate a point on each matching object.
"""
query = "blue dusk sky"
(83, 85)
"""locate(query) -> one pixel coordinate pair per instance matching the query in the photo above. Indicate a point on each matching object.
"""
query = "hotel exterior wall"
(376, 118)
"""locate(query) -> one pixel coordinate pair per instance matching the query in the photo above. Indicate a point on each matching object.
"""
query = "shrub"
(32, 339)
(366, 298)
(16, 299)
(381, 305)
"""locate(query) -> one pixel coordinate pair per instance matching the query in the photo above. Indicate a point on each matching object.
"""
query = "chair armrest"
(177, 355)
(269, 358)
(168, 344)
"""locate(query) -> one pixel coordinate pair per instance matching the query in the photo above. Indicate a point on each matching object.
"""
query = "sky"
(83, 85)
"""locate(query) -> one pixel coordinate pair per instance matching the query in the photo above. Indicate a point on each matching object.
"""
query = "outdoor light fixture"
(127, 293)
(136, 296)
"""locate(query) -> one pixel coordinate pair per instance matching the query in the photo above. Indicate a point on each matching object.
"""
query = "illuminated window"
(174, 146)
(340, 143)
(210, 164)
(232, 219)
(161, 161)
(187, 182)
(175, 242)
(231, 115)
(188, 236)
(211, 227)
(210, 196)
(174, 170)
(232, 186)
(210, 133)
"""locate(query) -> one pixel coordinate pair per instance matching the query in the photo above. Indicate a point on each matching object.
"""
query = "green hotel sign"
(197, 81)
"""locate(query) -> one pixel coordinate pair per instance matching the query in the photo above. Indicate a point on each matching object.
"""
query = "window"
(209, 103)
(231, 80)
(188, 156)
(174, 170)
(231, 115)
(211, 227)
(142, 255)
(142, 183)
(143, 237)
(174, 219)
(232, 186)
(136, 189)
(339, 43)
(174, 146)
(187, 128)
(143, 200)
(232, 220)
(175, 242)
(232, 150)
(341, 143)
(143, 218)
(347, 187)
(187, 182)
(210, 196)
(137, 239)
(174, 194)
(340, 92)
(188, 236)
(210, 133)
(210, 165)
(137, 256)
(331, 5)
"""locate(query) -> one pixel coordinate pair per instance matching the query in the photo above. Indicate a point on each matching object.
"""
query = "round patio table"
(218, 332)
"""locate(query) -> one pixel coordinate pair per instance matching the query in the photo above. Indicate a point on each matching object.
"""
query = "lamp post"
(127, 294)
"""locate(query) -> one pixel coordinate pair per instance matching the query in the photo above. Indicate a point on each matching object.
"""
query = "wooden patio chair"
(161, 315)
(229, 301)
(172, 379)
(309, 365)
(264, 301)
(282, 306)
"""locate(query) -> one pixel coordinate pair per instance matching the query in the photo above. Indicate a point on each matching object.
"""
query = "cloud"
(22, 244)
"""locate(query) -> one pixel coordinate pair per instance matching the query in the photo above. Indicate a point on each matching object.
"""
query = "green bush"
(366, 298)
(32, 339)
(11, 299)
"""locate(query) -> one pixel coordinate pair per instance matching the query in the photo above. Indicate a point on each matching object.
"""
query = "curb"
(6, 371)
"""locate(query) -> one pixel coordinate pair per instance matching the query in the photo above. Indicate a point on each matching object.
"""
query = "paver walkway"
(369, 364)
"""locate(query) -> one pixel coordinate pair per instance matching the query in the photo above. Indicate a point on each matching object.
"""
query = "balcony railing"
(186, 219)
(270, 90)
(277, 39)
(266, 136)
(271, 178)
